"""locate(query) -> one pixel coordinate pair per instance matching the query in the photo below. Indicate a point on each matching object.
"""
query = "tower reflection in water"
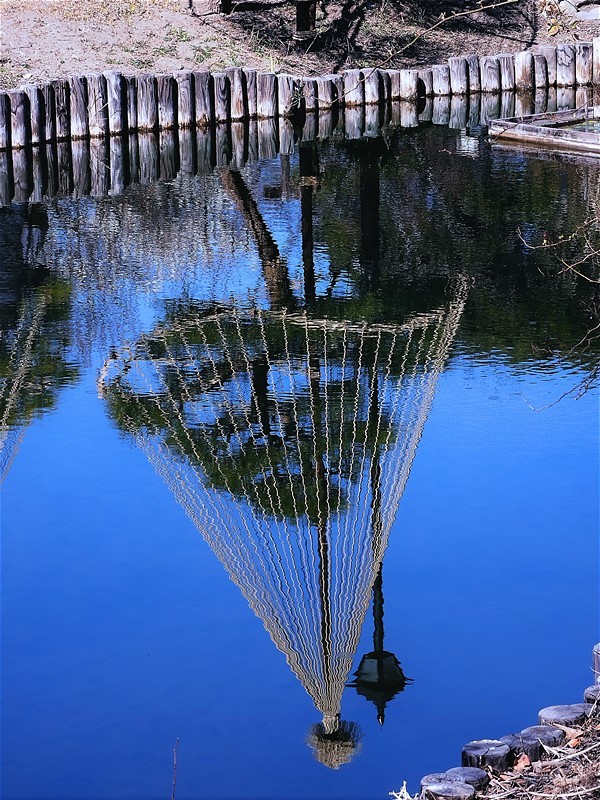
(288, 439)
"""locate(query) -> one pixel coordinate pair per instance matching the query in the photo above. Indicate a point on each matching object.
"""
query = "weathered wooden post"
(596, 662)
(237, 91)
(39, 174)
(408, 114)
(524, 71)
(97, 105)
(239, 145)
(116, 107)
(131, 100)
(372, 81)
(441, 80)
(487, 753)
(187, 151)
(203, 98)
(409, 84)
(185, 98)
(250, 79)
(266, 91)
(550, 55)
(80, 154)
(61, 99)
(459, 107)
(474, 74)
(22, 175)
(118, 171)
(5, 124)
(584, 63)
(425, 82)
(326, 93)
(6, 178)
(596, 61)
(474, 109)
(394, 76)
(147, 104)
(36, 106)
(99, 167)
(310, 95)
(490, 107)
(354, 88)
(426, 114)
(490, 74)
(79, 107)
(168, 158)
(565, 65)
(20, 119)
(285, 89)
(222, 97)
(49, 113)
(506, 62)
(540, 66)
(167, 103)
(459, 75)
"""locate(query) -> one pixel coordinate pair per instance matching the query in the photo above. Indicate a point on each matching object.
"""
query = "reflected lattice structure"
(288, 441)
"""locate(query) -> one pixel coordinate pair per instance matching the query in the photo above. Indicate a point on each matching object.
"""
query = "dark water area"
(300, 471)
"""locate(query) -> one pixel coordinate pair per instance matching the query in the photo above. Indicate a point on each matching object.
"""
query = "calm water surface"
(283, 461)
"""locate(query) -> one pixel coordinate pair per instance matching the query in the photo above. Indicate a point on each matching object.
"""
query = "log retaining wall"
(111, 103)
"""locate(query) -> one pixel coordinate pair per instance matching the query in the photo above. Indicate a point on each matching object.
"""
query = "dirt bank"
(43, 39)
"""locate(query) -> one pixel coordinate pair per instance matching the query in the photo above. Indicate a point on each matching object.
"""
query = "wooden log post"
(372, 82)
(168, 158)
(459, 75)
(441, 80)
(203, 98)
(591, 695)
(569, 715)
(596, 662)
(584, 63)
(475, 777)
(78, 107)
(325, 125)
(166, 90)
(237, 90)
(266, 91)
(36, 106)
(39, 174)
(64, 168)
(147, 104)
(596, 61)
(222, 97)
(490, 74)
(117, 108)
(436, 778)
(310, 95)
(22, 174)
(326, 93)
(474, 110)
(550, 55)
(394, 75)
(425, 83)
(205, 151)
(97, 105)
(49, 113)
(540, 66)
(565, 65)
(118, 166)
(409, 84)
(310, 127)
(20, 119)
(474, 74)
(239, 145)
(130, 89)
(285, 94)
(487, 753)
(5, 123)
(524, 71)
(61, 98)
(506, 63)
(185, 98)
(386, 86)
(354, 88)
(99, 167)
(251, 98)
(426, 113)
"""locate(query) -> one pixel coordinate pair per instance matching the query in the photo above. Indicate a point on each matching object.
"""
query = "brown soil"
(42, 39)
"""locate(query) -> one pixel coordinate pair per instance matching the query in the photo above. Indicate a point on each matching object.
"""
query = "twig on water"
(174, 768)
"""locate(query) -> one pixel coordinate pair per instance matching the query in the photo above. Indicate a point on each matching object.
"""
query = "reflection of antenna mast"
(274, 468)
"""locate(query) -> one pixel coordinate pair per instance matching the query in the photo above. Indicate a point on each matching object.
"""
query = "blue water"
(122, 633)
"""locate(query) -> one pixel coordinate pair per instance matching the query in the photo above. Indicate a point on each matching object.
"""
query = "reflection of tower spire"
(379, 676)
(289, 515)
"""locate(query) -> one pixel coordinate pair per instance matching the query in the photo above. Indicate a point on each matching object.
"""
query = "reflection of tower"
(265, 426)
